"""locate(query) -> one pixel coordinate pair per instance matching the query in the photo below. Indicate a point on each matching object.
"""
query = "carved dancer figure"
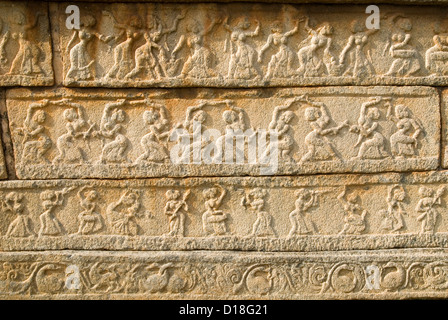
(304, 202)
(355, 223)
(199, 62)
(406, 62)
(123, 52)
(436, 57)
(90, 221)
(310, 63)
(35, 141)
(80, 60)
(21, 226)
(370, 140)
(318, 145)
(403, 143)
(214, 220)
(393, 220)
(242, 55)
(68, 144)
(147, 62)
(122, 215)
(111, 128)
(263, 225)
(353, 56)
(27, 59)
(155, 140)
(49, 223)
(3, 40)
(425, 207)
(281, 63)
(176, 209)
(280, 126)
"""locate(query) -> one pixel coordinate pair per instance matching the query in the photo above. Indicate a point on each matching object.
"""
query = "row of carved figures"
(73, 144)
(155, 60)
(123, 215)
(29, 56)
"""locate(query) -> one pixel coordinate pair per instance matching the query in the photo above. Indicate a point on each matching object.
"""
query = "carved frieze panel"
(182, 275)
(248, 45)
(211, 132)
(314, 213)
(25, 44)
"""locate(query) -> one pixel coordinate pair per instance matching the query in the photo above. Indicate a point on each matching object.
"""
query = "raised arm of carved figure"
(341, 196)
(209, 28)
(265, 47)
(364, 106)
(293, 31)
(33, 23)
(255, 32)
(175, 23)
(350, 42)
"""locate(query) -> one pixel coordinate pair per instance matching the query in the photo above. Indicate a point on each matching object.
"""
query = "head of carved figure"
(130, 198)
(40, 116)
(326, 29)
(15, 200)
(229, 116)
(48, 198)
(135, 22)
(398, 194)
(87, 21)
(199, 116)
(70, 115)
(352, 198)
(234, 36)
(257, 193)
(373, 113)
(356, 26)
(172, 194)
(426, 192)
(404, 24)
(18, 17)
(276, 27)
(243, 23)
(150, 116)
(401, 111)
(193, 27)
(302, 193)
(91, 195)
(312, 114)
(118, 116)
(210, 193)
(287, 116)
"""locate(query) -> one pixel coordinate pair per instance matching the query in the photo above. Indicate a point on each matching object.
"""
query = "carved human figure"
(263, 225)
(214, 220)
(426, 208)
(310, 63)
(280, 126)
(370, 141)
(27, 59)
(90, 221)
(242, 56)
(124, 52)
(80, 60)
(35, 142)
(111, 128)
(353, 57)
(147, 62)
(200, 60)
(393, 220)
(154, 142)
(436, 57)
(355, 222)
(21, 226)
(305, 201)
(317, 143)
(3, 40)
(176, 209)
(49, 223)
(122, 214)
(406, 62)
(403, 143)
(69, 144)
(281, 63)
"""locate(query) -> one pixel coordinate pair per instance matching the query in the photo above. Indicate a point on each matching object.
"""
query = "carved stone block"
(251, 45)
(127, 134)
(25, 44)
(381, 274)
(312, 213)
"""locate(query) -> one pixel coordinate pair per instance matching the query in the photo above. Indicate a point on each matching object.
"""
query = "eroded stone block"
(312, 213)
(25, 45)
(382, 274)
(128, 134)
(250, 45)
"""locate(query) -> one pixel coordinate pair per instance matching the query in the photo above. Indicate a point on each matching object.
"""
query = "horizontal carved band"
(276, 214)
(199, 275)
(72, 134)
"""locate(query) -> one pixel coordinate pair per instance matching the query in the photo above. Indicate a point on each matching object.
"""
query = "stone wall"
(223, 150)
